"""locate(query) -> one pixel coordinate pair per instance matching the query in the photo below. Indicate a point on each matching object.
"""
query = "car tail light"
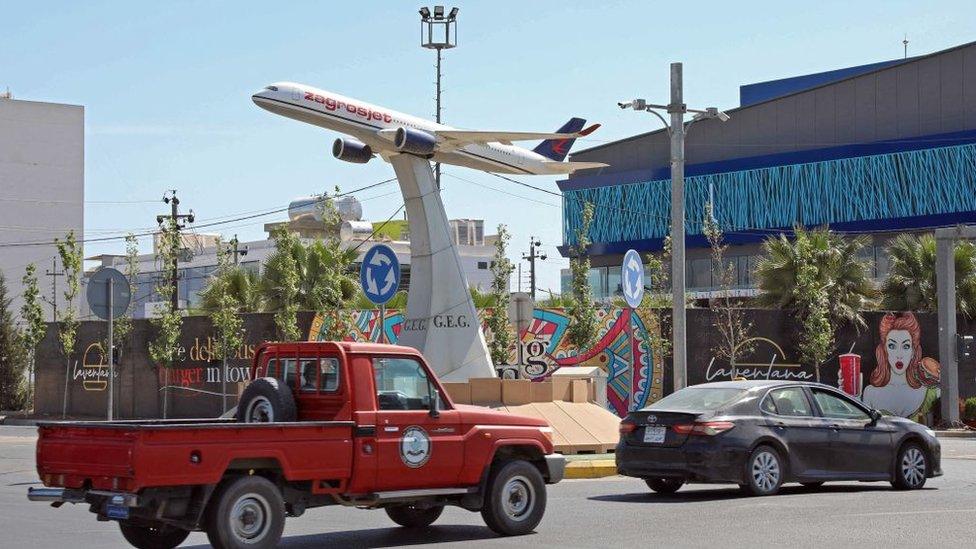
(705, 428)
(627, 427)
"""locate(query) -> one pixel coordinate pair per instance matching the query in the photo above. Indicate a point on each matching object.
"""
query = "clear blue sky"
(167, 85)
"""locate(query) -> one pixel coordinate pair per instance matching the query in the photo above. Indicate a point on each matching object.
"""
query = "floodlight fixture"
(424, 13)
(438, 12)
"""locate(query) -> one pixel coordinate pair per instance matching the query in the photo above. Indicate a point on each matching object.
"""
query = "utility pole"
(54, 273)
(678, 314)
(177, 222)
(438, 32)
(677, 131)
(534, 243)
(236, 250)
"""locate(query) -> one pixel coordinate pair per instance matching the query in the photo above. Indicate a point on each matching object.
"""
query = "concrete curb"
(956, 434)
(592, 468)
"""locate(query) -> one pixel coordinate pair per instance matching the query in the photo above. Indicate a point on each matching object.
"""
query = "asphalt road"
(610, 512)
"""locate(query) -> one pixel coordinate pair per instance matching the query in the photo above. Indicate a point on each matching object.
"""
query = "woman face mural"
(903, 382)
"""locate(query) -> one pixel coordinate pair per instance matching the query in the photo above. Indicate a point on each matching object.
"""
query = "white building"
(42, 188)
(201, 254)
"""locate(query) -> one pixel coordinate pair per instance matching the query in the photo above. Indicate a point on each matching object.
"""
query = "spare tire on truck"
(266, 400)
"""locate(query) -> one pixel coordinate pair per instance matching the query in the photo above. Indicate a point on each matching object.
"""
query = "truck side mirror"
(435, 403)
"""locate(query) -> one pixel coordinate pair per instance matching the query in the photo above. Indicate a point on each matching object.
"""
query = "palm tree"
(910, 285)
(325, 276)
(243, 285)
(838, 271)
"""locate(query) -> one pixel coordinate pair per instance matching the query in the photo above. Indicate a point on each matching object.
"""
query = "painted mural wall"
(543, 347)
(899, 366)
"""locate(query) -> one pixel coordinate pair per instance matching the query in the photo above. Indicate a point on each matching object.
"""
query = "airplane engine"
(351, 150)
(413, 141)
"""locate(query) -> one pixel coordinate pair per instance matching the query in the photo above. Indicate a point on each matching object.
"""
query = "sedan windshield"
(696, 399)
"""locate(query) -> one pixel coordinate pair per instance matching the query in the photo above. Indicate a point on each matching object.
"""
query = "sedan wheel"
(664, 485)
(764, 472)
(911, 468)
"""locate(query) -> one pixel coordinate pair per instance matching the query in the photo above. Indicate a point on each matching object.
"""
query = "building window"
(482, 265)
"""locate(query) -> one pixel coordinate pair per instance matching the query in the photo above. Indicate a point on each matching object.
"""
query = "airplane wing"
(470, 137)
(570, 167)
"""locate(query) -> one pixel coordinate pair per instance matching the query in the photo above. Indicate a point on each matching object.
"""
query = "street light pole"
(678, 313)
(438, 31)
(677, 131)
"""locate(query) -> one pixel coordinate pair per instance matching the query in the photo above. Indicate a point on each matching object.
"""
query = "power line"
(211, 224)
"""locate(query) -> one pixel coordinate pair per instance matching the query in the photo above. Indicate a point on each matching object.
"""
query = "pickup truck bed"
(132, 455)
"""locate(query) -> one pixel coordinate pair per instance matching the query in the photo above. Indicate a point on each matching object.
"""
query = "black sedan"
(760, 434)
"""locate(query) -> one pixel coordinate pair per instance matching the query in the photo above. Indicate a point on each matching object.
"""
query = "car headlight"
(930, 433)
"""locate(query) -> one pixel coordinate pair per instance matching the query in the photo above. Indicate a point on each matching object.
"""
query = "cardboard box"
(459, 392)
(486, 390)
(560, 388)
(516, 392)
(579, 391)
(541, 391)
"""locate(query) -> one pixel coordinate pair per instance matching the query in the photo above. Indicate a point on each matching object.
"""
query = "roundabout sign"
(380, 274)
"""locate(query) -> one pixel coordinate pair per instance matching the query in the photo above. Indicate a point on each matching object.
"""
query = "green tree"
(582, 329)
(911, 281)
(241, 284)
(226, 319)
(122, 325)
(67, 317)
(845, 279)
(281, 283)
(502, 336)
(818, 277)
(168, 322)
(728, 317)
(815, 341)
(13, 383)
(32, 315)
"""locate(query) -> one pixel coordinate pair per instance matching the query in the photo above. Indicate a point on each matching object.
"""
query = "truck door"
(416, 449)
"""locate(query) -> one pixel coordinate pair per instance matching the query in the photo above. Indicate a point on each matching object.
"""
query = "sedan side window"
(833, 406)
(791, 401)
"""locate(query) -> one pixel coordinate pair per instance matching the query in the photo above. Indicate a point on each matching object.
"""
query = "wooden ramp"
(578, 427)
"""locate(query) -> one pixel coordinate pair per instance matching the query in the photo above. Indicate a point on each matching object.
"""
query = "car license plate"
(654, 434)
(117, 511)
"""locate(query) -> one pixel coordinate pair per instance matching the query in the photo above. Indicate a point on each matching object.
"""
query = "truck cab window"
(309, 381)
(401, 384)
(329, 374)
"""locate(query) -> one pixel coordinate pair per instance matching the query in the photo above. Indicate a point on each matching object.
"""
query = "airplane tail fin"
(557, 149)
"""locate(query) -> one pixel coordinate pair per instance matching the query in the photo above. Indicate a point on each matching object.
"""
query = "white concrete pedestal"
(441, 321)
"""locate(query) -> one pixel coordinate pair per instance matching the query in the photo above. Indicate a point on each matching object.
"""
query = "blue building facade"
(877, 150)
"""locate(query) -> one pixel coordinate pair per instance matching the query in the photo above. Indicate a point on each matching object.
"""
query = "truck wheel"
(266, 400)
(162, 536)
(414, 517)
(246, 513)
(516, 499)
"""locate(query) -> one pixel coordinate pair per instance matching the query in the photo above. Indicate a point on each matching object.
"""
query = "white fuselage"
(366, 123)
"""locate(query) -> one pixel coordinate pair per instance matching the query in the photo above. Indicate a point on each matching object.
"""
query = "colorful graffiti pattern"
(542, 348)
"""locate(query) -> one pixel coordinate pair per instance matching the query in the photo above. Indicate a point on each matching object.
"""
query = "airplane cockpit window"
(272, 88)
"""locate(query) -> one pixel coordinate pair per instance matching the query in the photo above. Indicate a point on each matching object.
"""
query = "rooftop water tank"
(349, 208)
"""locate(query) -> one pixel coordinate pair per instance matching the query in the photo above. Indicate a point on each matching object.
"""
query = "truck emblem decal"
(415, 447)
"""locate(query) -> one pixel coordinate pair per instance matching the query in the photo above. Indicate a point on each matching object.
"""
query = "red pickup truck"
(355, 424)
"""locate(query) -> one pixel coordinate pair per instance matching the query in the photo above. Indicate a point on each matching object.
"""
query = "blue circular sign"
(632, 278)
(380, 274)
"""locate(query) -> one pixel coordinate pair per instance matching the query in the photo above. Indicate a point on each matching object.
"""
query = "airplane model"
(377, 130)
